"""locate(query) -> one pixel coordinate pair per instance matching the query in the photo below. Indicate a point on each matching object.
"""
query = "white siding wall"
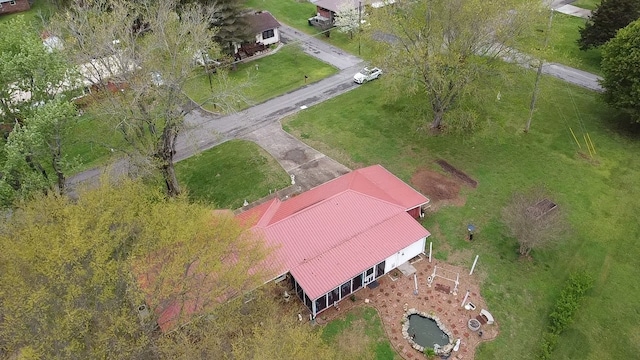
(404, 255)
(272, 40)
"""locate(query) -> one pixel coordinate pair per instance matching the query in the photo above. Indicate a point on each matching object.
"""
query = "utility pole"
(534, 97)
(359, 24)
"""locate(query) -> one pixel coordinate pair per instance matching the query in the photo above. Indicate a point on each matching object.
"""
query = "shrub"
(564, 310)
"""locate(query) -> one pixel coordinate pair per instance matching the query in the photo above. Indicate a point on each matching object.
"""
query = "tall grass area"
(599, 194)
(267, 77)
(230, 173)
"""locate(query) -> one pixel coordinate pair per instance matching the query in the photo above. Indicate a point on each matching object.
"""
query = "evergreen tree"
(606, 20)
(231, 27)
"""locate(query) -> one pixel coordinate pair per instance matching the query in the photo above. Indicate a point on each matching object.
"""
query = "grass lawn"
(364, 127)
(269, 77)
(90, 142)
(359, 335)
(586, 4)
(41, 9)
(229, 173)
(563, 47)
(291, 12)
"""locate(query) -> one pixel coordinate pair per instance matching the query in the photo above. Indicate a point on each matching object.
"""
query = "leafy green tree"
(34, 157)
(621, 70)
(151, 64)
(437, 48)
(29, 74)
(74, 272)
(259, 326)
(609, 17)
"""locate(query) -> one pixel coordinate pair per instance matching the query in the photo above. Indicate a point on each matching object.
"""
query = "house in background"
(12, 6)
(326, 10)
(341, 236)
(265, 28)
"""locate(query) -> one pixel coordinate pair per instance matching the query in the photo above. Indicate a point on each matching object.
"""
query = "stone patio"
(391, 298)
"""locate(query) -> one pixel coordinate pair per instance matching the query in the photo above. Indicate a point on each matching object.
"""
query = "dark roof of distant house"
(261, 21)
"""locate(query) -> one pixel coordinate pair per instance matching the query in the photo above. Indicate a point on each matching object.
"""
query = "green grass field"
(268, 77)
(599, 195)
(562, 46)
(291, 12)
(39, 11)
(228, 174)
(358, 335)
(586, 4)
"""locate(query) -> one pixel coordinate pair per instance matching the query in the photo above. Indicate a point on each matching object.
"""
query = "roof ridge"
(311, 206)
(269, 213)
(341, 243)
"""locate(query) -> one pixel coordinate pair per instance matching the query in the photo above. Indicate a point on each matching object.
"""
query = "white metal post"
(465, 298)
(430, 249)
(474, 265)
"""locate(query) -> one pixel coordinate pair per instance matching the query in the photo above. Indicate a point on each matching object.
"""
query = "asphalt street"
(205, 130)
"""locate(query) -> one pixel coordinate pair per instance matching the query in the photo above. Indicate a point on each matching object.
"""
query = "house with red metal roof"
(338, 237)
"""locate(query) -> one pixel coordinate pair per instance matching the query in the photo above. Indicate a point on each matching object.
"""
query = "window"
(345, 289)
(321, 303)
(380, 269)
(357, 282)
(307, 301)
(333, 296)
(369, 271)
(12, 2)
(268, 34)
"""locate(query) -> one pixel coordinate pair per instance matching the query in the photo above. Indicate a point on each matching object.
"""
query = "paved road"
(206, 130)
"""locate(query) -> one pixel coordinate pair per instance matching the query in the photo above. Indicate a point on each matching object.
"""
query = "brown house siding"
(20, 5)
(326, 13)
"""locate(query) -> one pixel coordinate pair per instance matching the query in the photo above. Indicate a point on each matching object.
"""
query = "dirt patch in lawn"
(457, 173)
(439, 188)
(353, 340)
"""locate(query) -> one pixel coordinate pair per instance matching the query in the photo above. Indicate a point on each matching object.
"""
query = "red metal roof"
(330, 233)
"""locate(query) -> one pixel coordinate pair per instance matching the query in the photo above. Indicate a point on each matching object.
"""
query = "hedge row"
(564, 310)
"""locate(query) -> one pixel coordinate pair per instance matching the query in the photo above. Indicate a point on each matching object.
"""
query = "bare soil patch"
(457, 173)
(439, 188)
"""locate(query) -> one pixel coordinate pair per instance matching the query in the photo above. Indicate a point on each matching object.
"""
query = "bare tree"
(436, 48)
(140, 55)
(534, 220)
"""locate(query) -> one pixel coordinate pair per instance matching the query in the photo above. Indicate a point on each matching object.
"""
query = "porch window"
(345, 289)
(357, 282)
(321, 303)
(333, 296)
(380, 269)
(268, 34)
(307, 301)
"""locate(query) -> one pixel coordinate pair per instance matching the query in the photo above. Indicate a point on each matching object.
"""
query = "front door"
(369, 276)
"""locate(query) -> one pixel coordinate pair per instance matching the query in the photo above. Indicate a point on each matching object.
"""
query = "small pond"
(426, 331)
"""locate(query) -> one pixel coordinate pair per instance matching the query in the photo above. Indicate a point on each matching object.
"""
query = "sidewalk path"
(573, 11)
(309, 166)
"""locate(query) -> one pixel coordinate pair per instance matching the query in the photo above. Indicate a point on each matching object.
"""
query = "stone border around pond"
(444, 350)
